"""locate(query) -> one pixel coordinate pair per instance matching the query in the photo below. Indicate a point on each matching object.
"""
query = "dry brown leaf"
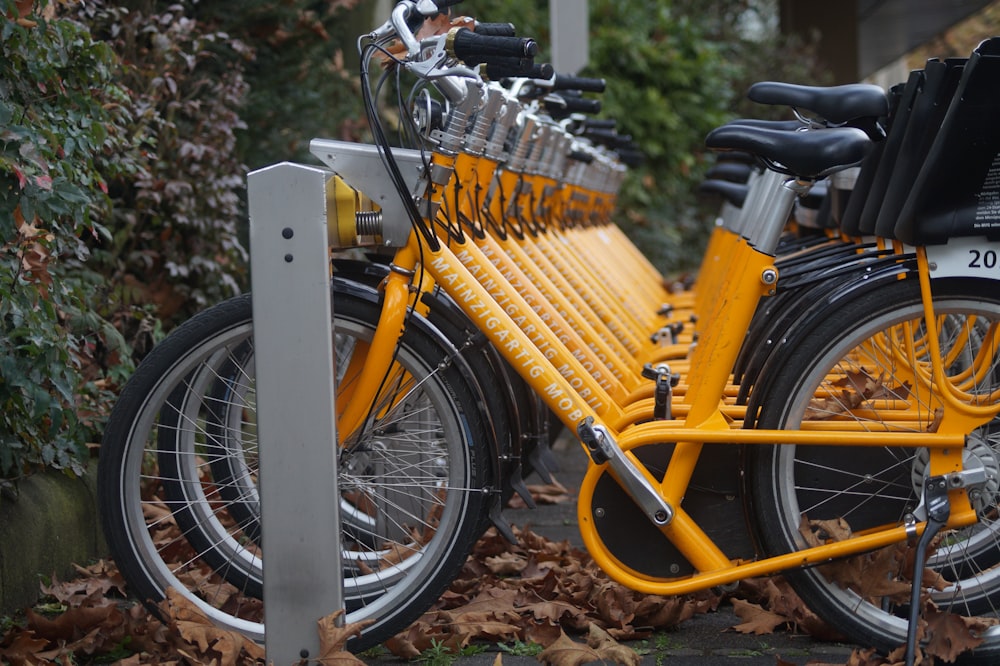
(756, 620)
(543, 634)
(494, 602)
(610, 649)
(402, 647)
(497, 632)
(549, 493)
(614, 604)
(506, 564)
(70, 625)
(333, 639)
(192, 626)
(856, 387)
(819, 532)
(936, 422)
(898, 657)
(865, 657)
(567, 652)
(949, 635)
(880, 573)
(22, 648)
(666, 612)
(551, 611)
(783, 600)
(91, 586)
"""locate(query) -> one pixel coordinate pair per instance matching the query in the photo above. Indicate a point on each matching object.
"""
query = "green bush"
(60, 113)
(177, 221)
(302, 78)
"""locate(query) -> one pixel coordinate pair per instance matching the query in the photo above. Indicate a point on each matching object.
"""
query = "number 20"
(983, 259)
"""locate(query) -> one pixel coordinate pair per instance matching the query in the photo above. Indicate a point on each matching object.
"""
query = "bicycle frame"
(546, 365)
(577, 378)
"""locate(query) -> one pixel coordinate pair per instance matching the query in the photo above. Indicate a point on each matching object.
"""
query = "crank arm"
(603, 449)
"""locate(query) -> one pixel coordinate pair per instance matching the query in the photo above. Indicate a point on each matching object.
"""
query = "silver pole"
(303, 579)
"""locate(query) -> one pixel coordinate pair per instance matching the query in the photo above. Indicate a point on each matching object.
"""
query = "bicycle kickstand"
(938, 509)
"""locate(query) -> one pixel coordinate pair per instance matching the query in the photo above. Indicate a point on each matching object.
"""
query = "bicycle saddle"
(837, 104)
(734, 172)
(785, 125)
(810, 155)
(734, 193)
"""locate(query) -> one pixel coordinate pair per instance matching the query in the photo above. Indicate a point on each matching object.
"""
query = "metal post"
(303, 580)
(569, 27)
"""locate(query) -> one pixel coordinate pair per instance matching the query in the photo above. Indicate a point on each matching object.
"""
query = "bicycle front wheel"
(869, 375)
(178, 473)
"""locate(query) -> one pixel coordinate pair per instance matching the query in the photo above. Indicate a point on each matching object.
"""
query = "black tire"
(169, 525)
(872, 486)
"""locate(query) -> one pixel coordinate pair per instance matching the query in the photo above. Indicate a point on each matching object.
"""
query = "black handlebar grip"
(600, 123)
(473, 49)
(496, 29)
(512, 68)
(582, 83)
(572, 104)
(631, 158)
(607, 137)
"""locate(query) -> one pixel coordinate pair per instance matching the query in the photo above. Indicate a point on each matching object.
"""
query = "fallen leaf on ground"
(548, 493)
(949, 635)
(756, 620)
(610, 649)
(567, 652)
(333, 640)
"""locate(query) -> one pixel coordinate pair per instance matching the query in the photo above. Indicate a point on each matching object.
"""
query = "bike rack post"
(303, 580)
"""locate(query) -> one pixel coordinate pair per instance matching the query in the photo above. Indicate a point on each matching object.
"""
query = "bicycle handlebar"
(473, 49)
(631, 157)
(508, 68)
(495, 29)
(609, 138)
(406, 19)
(581, 83)
(564, 104)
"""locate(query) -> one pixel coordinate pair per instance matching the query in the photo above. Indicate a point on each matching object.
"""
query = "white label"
(965, 257)
(988, 210)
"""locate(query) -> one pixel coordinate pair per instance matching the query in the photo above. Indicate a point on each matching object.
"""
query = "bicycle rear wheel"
(861, 375)
(178, 472)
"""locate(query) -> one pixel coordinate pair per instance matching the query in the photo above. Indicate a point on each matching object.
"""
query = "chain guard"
(713, 500)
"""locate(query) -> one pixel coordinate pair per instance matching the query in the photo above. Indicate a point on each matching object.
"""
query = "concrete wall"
(50, 526)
